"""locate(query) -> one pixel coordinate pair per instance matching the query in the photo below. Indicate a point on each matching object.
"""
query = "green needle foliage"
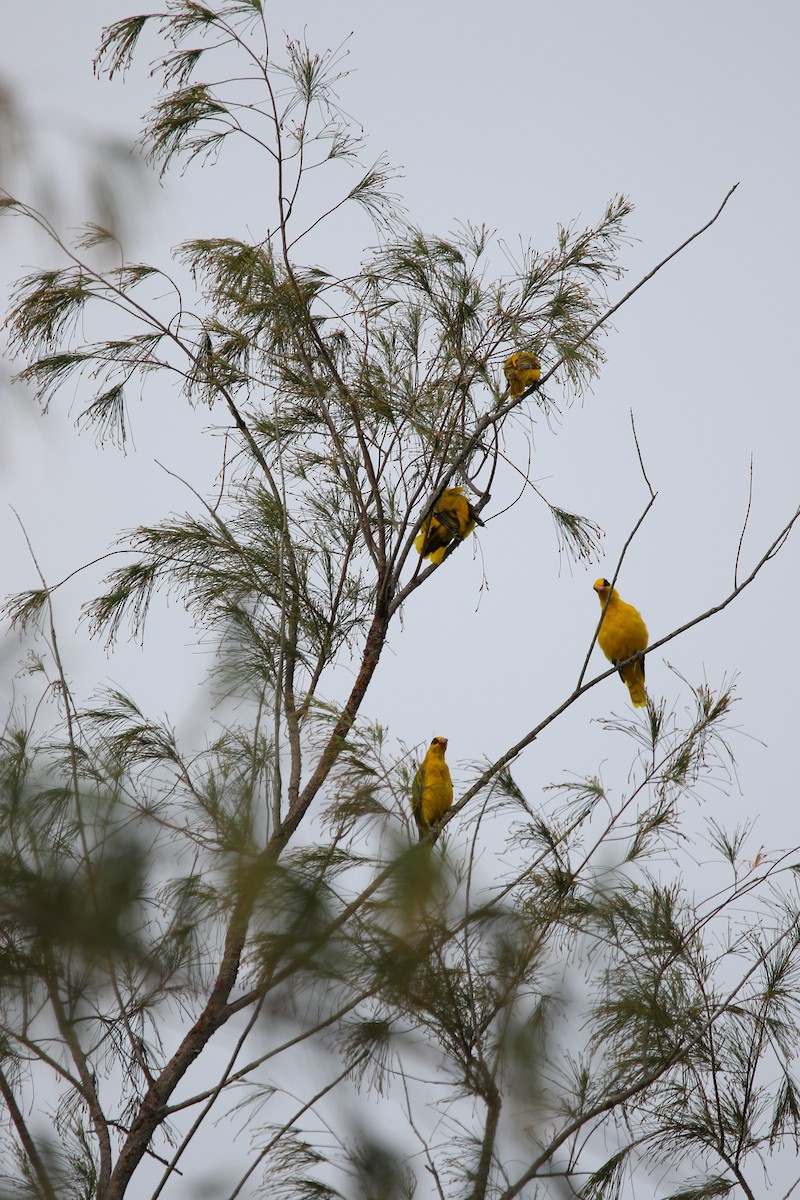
(247, 939)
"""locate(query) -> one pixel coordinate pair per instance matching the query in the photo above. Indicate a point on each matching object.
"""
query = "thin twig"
(631, 536)
(744, 527)
(430, 1165)
(641, 460)
(640, 284)
(791, 1189)
(623, 552)
(287, 1126)
(172, 1164)
(26, 1139)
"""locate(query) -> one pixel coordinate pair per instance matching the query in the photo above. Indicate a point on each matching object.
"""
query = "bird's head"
(440, 741)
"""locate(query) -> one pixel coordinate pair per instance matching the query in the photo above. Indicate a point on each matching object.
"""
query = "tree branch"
(26, 1140)
(518, 747)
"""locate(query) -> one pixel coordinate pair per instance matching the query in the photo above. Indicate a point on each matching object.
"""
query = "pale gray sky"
(519, 116)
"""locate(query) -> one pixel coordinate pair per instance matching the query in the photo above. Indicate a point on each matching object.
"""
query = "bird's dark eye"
(606, 583)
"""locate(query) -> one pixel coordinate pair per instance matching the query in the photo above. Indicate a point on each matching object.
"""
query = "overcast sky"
(519, 116)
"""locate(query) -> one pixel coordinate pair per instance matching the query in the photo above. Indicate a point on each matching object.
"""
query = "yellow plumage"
(522, 370)
(453, 517)
(432, 790)
(622, 634)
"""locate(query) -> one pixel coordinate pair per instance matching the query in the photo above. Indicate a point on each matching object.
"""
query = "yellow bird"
(522, 370)
(622, 634)
(452, 517)
(432, 790)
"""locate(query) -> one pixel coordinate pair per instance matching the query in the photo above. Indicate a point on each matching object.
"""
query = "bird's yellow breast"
(432, 792)
(623, 632)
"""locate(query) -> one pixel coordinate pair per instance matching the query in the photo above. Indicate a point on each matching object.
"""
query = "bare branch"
(581, 688)
(744, 526)
(26, 1140)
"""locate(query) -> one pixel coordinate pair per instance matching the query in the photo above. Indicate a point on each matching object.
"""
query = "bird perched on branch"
(452, 517)
(622, 635)
(432, 790)
(522, 370)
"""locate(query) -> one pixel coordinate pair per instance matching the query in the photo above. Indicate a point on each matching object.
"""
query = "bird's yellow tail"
(633, 676)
